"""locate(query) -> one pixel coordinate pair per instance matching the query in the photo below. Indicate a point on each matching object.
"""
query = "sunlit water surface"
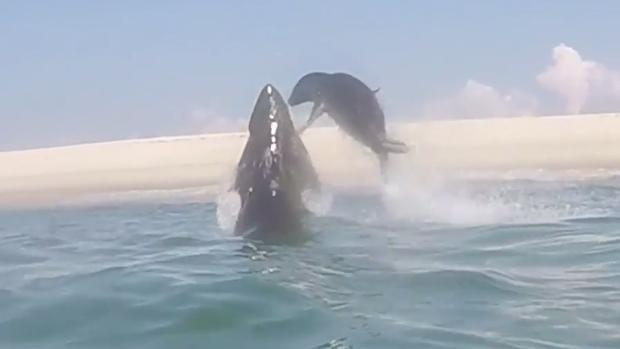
(484, 264)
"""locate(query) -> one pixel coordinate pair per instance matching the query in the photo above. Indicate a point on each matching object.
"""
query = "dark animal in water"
(352, 105)
(273, 172)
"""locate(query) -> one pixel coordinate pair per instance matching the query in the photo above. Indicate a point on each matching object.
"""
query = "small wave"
(339, 343)
(470, 284)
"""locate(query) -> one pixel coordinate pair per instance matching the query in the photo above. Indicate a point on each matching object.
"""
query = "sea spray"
(228, 203)
(427, 196)
(318, 202)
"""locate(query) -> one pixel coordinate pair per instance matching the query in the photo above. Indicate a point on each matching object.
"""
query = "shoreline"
(587, 143)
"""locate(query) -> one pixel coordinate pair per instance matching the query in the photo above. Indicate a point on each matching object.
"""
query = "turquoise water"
(506, 264)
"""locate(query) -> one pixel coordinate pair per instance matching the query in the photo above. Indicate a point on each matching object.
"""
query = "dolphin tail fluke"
(394, 146)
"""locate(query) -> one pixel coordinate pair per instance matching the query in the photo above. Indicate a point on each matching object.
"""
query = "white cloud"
(581, 83)
(477, 100)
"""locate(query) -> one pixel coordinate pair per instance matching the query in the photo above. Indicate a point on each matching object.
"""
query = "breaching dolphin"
(352, 105)
(273, 172)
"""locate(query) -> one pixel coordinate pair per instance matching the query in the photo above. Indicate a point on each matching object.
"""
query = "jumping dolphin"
(273, 172)
(352, 105)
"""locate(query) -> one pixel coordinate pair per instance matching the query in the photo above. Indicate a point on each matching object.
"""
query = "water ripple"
(543, 274)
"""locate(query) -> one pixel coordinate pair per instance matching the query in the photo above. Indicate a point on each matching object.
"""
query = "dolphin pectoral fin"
(317, 111)
(394, 146)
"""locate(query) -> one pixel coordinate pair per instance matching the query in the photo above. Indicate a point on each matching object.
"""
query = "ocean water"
(509, 263)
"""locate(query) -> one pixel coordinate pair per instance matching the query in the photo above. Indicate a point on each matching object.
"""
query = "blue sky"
(79, 71)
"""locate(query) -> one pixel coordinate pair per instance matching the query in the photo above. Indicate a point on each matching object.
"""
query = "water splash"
(429, 197)
(228, 203)
(318, 202)
(421, 195)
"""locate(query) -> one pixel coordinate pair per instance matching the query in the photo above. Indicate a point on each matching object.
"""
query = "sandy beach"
(581, 142)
